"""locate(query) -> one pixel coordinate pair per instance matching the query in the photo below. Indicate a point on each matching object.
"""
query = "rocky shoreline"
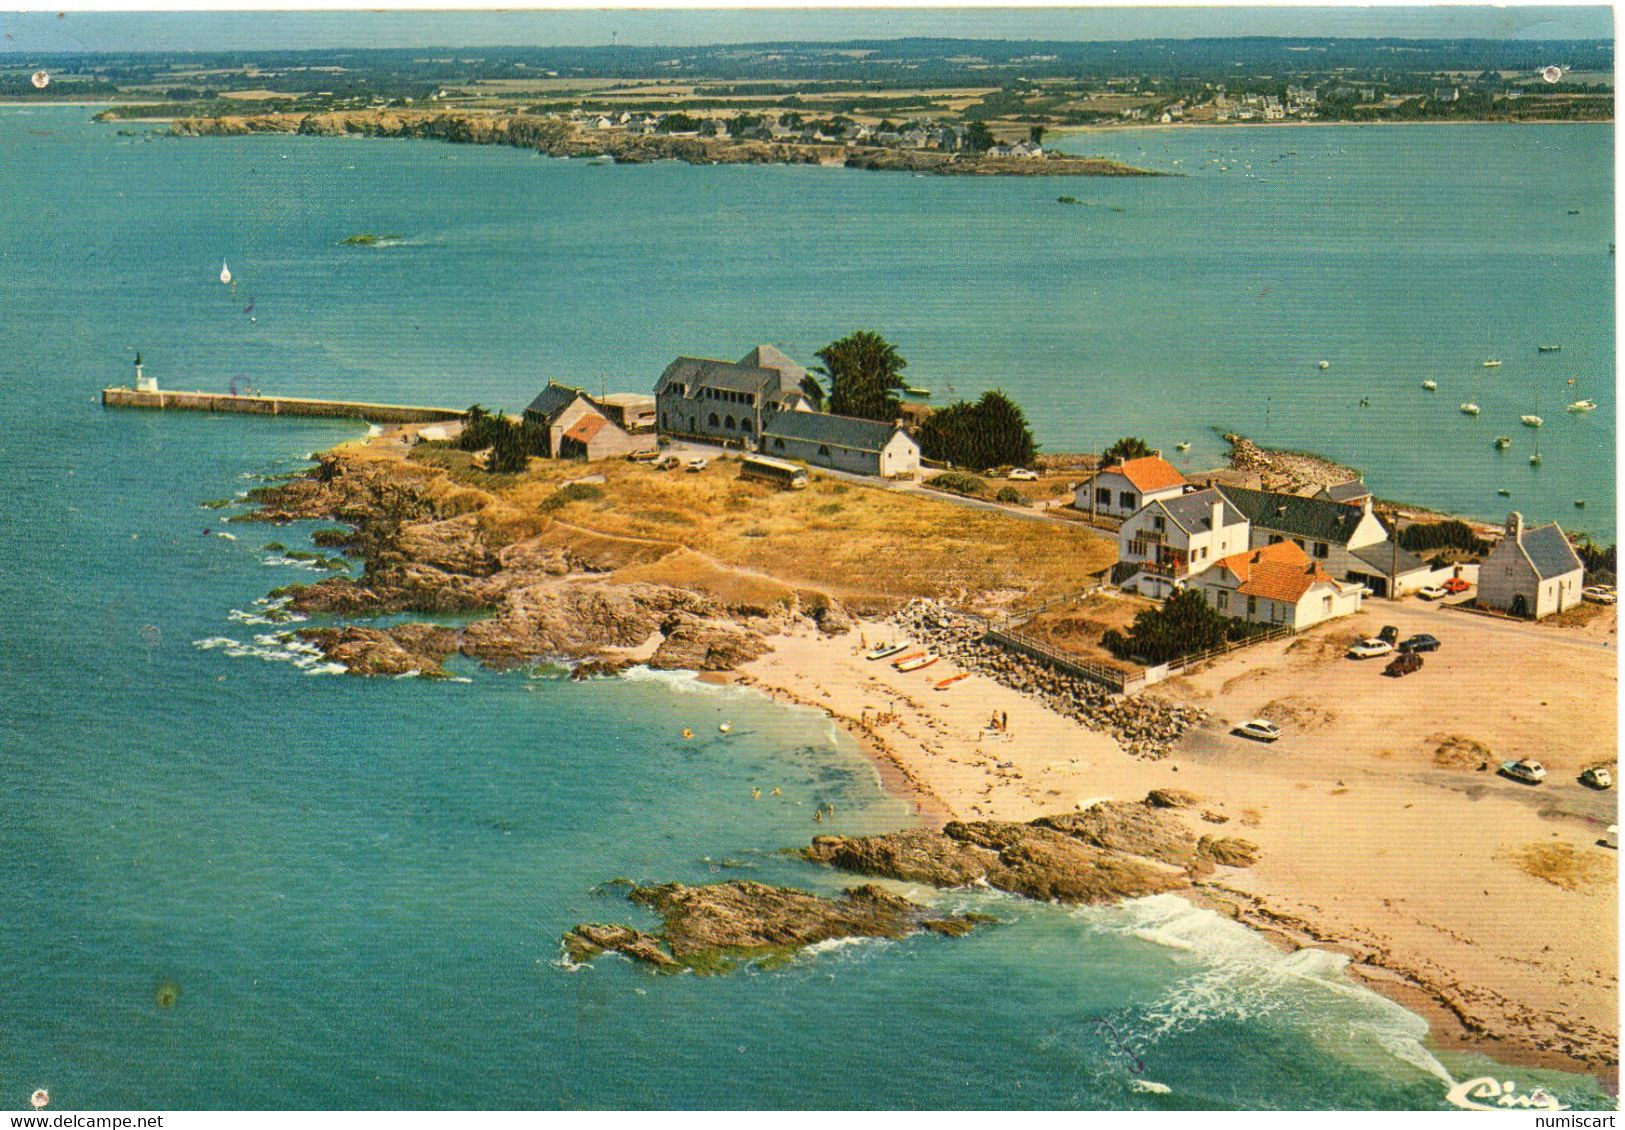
(1104, 854)
(1291, 472)
(555, 137)
(428, 546)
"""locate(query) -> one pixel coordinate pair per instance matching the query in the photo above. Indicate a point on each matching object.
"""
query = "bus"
(779, 472)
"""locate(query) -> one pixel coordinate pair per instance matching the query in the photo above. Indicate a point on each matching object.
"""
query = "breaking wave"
(1235, 974)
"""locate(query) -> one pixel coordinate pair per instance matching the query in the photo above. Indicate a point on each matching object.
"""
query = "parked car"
(1598, 594)
(1370, 649)
(1525, 770)
(1455, 586)
(669, 463)
(698, 464)
(1420, 643)
(1432, 592)
(1022, 475)
(650, 455)
(1597, 777)
(1406, 663)
(1259, 730)
(1389, 633)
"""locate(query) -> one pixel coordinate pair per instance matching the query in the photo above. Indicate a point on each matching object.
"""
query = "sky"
(28, 33)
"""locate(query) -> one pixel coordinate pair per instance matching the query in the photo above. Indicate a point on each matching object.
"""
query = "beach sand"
(1485, 905)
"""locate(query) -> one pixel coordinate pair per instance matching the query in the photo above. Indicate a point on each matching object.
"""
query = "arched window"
(744, 426)
(714, 421)
(823, 449)
(729, 424)
(778, 444)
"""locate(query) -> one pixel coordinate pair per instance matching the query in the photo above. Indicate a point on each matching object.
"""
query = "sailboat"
(1491, 363)
(225, 273)
(1431, 386)
(1470, 408)
(1503, 442)
(1584, 404)
(1531, 420)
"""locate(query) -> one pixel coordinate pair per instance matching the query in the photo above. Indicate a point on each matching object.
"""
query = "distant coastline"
(555, 137)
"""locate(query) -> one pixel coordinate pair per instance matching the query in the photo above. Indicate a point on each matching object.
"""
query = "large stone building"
(1531, 573)
(728, 402)
(843, 443)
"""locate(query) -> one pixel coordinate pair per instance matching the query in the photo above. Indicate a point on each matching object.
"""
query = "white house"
(1278, 585)
(844, 443)
(1170, 540)
(1531, 572)
(1120, 490)
(1349, 541)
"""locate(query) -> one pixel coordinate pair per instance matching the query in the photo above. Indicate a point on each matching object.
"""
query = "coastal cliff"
(555, 137)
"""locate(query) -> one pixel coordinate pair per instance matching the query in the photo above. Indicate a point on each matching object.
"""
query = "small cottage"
(1532, 573)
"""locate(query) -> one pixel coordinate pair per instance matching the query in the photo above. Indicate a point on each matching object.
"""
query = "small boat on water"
(1583, 406)
(1531, 421)
(1579, 504)
(951, 680)
(1535, 460)
(1503, 492)
(918, 663)
(1469, 409)
(1503, 442)
(916, 390)
(1325, 364)
(1491, 363)
(909, 658)
(225, 273)
(885, 650)
(1549, 348)
(1431, 386)
(1182, 447)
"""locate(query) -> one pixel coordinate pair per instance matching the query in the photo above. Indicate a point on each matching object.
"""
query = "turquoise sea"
(357, 888)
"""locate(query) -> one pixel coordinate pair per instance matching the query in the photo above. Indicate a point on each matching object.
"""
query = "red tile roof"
(585, 428)
(1149, 473)
(1276, 572)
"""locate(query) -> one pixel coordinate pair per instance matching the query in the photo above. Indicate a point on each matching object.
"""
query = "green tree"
(1129, 447)
(978, 138)
(1184, 625)
(864, 376)
(991, 432)
(1036, 135)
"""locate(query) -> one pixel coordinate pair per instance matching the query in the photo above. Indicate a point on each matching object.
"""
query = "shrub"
(1184, 625)
(960, 483)
(575, 492)
(1451, 534)
(991, 432)
(1010, 495)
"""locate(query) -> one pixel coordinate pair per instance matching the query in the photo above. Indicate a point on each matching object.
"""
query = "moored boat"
(1491, 363)
(1549, 348)
(916, 390)
(1469, 409)
(1325, 364)
(1503, 442)
(885, 650)
(1583, 406)
(1431, 386)
(1531, 421)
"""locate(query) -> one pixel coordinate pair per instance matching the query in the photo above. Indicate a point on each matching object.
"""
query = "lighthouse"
(144, 383)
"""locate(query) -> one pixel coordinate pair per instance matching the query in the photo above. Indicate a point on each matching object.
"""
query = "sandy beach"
(1487, 906)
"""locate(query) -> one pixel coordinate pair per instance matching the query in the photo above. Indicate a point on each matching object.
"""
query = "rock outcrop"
(1109, 852)
(718, 927)
(401, 650)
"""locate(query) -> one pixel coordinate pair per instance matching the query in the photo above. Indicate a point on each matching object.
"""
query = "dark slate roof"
(1318, 518)
(1550, 552)
(703, 372)
(1194, 512)
(1351, 491)
(1381, 558)
(838, 431)
(553, 399)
